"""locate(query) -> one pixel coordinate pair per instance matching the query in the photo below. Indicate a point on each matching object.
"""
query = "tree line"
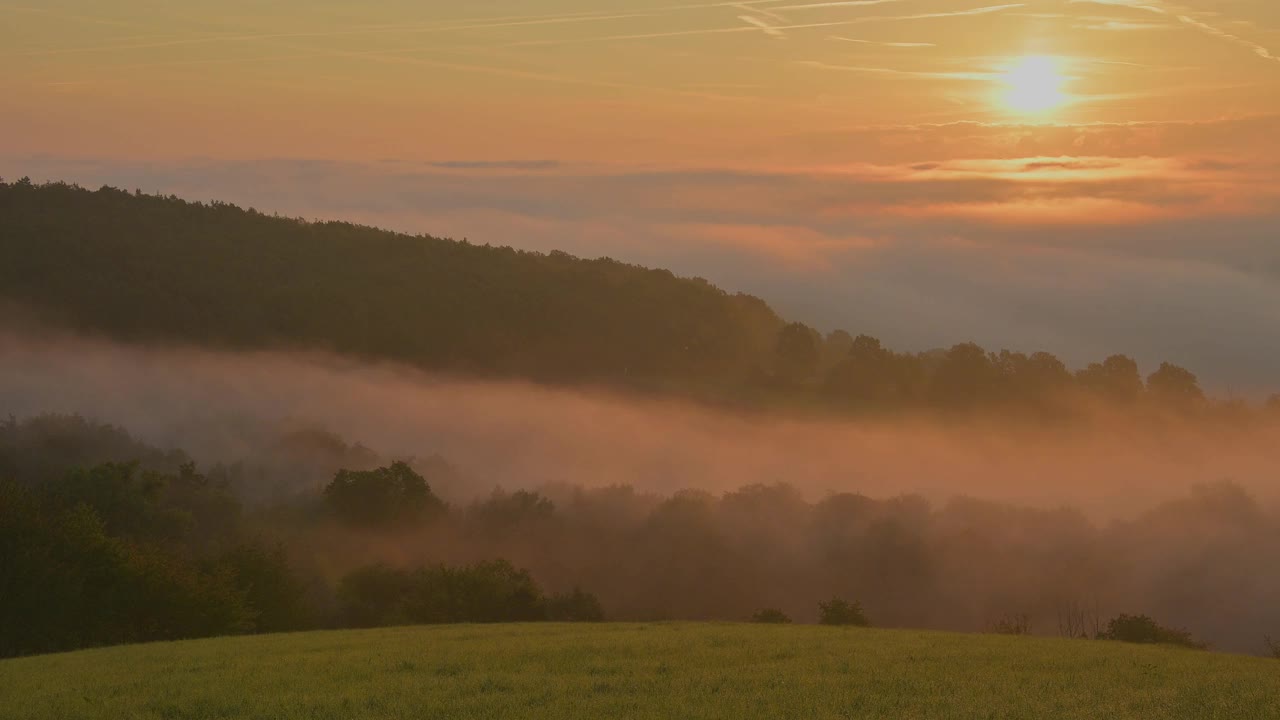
(146, 268)
(98, 550)
(113, 554)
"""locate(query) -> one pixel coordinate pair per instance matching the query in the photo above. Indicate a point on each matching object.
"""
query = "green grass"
(679, 670)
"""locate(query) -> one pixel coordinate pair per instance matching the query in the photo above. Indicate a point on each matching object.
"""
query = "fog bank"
(219, 405)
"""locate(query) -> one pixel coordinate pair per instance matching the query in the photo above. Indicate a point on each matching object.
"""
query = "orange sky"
(638, 81)
(792, 148)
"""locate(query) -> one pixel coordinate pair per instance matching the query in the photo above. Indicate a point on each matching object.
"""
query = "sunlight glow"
(1033, 84)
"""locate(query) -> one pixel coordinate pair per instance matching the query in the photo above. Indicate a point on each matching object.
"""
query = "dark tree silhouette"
(771, 616)
(1174, 385)
(798, 352)
(386, 497)
(839, 611)
(1116, 378)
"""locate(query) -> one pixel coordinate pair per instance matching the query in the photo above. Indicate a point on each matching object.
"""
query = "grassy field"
(680, 670)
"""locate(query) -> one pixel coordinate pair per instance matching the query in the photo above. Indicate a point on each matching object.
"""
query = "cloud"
(1248, 136)
(884, 44)
(768, 29)
(901, 73)
(1188, 18)
(838, 4)
(495, 165)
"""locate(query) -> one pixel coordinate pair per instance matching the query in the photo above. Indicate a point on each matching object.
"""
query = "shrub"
(1142, 629)
(1273, 646)
(483, 593)
(269, 585)
(576, 606)
(842, 612)
(373, 596)
(772, 616)
(1016, 624)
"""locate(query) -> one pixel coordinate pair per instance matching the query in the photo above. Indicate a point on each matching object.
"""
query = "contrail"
(905, 73)
(883, 44)
(462, 25)
(1157, 7)
(807, 26)
(760, 11)
(844, 3)
(1257, 49)
(771, 30)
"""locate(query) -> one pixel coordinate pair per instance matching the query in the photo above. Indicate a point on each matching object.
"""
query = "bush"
(842, 612)
(577, 606)
(373, 596)
(771, 616)
(1142, 629)
(269, 585)
(1016, 624)
(484, 593)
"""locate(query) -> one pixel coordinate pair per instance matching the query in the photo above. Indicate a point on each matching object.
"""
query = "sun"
(1033, 84)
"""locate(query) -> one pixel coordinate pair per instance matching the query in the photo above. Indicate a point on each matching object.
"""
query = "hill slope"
(140, 267)
(639, 671)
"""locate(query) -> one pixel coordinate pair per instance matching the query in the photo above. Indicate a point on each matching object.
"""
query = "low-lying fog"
(218, 405)
(1166, 537)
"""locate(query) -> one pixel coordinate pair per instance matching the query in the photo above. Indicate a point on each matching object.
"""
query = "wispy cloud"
(883, 44)
(771, 30)
(760, 10)
(72, 17)
(301, 35)
(1187, 18)
(1106, 25)
(495, 164)
(985, 10)
(844, 4)
(1257, 49)
(903, 73)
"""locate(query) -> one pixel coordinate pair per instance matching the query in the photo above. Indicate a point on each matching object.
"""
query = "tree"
(839, 611)
(263, 575)
(1116, 379)
(384, 497)
(1175, 386)
(872, 377)
(965, 379)
(797, 353)
(835, 347)
(67, 584)
(1031, 381)
(373, 596)
(504, 511)
(486, 592)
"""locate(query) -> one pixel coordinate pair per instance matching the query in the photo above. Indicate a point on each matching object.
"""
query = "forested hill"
(149, 268)
(146, 268)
